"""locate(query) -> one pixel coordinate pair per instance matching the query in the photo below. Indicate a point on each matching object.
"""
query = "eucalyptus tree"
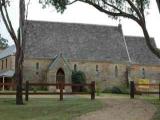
(135, 10)
(3, 42)
(158, 3)
(18, 40)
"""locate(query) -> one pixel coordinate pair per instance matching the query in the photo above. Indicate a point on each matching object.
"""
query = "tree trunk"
(19, 54)
(19, 75)
(148, 40)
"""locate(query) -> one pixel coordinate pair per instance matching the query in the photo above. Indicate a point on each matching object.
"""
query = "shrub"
(78, 77)
(107, 90)
(117, 90)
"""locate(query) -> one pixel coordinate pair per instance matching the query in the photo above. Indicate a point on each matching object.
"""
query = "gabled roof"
(58, 59)
(8, 73)
(74, 41)
(85, 42)
(11, 50)
(139, 52)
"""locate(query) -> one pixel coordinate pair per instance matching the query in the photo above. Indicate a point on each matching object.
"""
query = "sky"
(83, 13)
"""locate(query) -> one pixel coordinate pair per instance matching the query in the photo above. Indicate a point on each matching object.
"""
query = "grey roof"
(8, 73)
(11, 50)
(75, 41)
(85, 41)
(139, 52)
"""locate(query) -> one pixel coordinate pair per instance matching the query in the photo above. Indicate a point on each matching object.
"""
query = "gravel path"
(122, 109)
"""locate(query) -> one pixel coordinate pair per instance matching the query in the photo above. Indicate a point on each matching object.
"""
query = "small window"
(37, 65)
(97, 69)
(116, 71)
(2, 64)
(143, 73)
(75, 67)
(37, 73)
(6, 63)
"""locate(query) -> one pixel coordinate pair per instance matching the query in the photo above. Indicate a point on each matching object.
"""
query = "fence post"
(92, 90)
(159, 91)
(61, 91)
(26, 90)
(132, 89)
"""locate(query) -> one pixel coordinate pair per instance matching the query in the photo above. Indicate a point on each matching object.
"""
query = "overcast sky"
(83, 13)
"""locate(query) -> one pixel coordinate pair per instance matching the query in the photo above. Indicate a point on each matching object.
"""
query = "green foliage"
(117, 90)
(78, 77)
(3, 43)
(60, 5)
(47, 108)
(116, 7)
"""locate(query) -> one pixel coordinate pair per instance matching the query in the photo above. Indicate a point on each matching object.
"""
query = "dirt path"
(122, 109)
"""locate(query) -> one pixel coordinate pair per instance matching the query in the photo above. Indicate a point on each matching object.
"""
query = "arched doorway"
(60, 77)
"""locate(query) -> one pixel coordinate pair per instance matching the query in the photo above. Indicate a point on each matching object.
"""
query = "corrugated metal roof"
(8, 73)
(8, 51)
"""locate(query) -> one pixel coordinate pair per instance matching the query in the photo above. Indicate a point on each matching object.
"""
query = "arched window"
(143, 73)
(116, 71)
(75, 67)
(2, 64)
(37, 65)
(97, 69)
(37, 68)
(6, 63)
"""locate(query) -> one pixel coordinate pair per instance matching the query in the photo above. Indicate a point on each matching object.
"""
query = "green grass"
(47, 109)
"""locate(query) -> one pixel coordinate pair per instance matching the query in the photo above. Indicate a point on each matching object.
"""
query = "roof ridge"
(136, 36)
(57, 22)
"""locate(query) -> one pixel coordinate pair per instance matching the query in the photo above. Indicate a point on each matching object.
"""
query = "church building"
(102, 52)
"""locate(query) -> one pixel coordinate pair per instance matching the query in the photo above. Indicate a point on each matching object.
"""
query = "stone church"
(103, 53)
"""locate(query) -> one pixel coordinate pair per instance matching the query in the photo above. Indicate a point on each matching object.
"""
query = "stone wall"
(106, 74)
(34, 74)
(151, 72)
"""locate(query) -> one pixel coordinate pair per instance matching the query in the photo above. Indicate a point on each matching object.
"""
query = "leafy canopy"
(114, 8)
(3, 43)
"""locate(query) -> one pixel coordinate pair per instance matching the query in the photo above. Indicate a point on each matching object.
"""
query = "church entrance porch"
(60, 78)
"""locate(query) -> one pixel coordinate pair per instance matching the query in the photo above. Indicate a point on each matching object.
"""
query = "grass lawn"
(47, 108)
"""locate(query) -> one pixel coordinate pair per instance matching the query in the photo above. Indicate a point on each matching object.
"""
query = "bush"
(107, 90)
(117, 90)
(78, 77)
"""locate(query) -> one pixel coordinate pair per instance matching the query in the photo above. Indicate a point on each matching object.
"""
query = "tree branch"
(27, 9)
(7, 26)
(120, 14)
(72, 2)
(110, 5)
(9, 21)
(135, 9)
